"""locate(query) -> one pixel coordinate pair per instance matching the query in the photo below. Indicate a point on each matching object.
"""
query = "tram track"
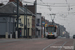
(56, 43)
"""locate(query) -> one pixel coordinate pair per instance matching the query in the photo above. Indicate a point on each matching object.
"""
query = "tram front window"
(51, 29)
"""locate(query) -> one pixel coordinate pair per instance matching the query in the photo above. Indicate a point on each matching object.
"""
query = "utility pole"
(26, 21)
(44, 27)
(35, 14)
(17, 14)
(25, 26)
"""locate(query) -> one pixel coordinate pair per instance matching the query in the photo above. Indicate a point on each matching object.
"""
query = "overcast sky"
(64, 10)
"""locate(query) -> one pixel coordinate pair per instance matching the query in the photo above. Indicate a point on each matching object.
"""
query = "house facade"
(7, 25)
(23, 30)
(32, 8)
(33, 27)
(11, 9)
(38, 25)
(29, 31)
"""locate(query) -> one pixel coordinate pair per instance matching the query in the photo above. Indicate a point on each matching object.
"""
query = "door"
(20, 33)
(28, 33)
(38, 33)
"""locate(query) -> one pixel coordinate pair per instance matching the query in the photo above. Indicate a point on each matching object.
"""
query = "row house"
(32, 8)
(30, 22)
(7, 19)
(38, 25)
(10, 12)
(30, 19)
(62, 29)
(33, 27)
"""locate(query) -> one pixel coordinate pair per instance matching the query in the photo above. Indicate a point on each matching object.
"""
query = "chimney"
(12, 0)
(20, 2)
(1, 4)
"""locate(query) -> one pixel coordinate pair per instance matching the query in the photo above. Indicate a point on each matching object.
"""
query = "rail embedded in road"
(50, 45)
(59, 45)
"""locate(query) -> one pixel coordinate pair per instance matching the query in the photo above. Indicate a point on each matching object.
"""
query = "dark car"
(73, 36)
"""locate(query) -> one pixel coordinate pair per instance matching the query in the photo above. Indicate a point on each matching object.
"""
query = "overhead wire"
(47, 4)
(51, 4)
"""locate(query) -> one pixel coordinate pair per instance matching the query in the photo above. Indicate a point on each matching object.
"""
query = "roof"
(11, 8)
(31, 8)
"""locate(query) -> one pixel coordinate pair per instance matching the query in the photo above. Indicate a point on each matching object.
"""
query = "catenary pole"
(26, 21)
(17, 14)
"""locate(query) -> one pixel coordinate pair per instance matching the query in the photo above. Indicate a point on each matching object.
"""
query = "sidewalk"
(74, 44)
(3, 40)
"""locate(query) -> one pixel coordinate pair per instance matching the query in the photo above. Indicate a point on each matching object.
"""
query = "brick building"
(32, 8)
(20, 2)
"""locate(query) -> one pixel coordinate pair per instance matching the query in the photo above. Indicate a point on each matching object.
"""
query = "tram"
(51, 31)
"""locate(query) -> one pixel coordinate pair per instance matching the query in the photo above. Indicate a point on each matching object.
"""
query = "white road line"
(74, 45)
(50, 45)
(63, 45)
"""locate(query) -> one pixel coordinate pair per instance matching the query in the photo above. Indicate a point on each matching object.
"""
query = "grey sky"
(63, 16)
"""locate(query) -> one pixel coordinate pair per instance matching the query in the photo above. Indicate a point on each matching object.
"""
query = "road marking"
(63, 45)
(74, 45)
(50, 45)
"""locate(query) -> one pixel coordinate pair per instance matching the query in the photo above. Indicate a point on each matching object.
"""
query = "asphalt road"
(37, 44)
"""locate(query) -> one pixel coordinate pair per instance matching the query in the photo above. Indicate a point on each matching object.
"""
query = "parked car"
(73, 36)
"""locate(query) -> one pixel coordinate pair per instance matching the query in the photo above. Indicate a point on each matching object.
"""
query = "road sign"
(43, 23)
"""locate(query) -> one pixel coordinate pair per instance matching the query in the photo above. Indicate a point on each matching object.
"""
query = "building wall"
(2, 26)
(31, 8)
(38, 25)
(6, 25)
(33, 26)
(33, 21)
(22, 21)
(29, 25)
(30, 21)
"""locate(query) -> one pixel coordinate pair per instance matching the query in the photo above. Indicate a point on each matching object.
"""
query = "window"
(19, 20)
(51, 29)
(38, 21)
(28, 23)
(21, 24)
